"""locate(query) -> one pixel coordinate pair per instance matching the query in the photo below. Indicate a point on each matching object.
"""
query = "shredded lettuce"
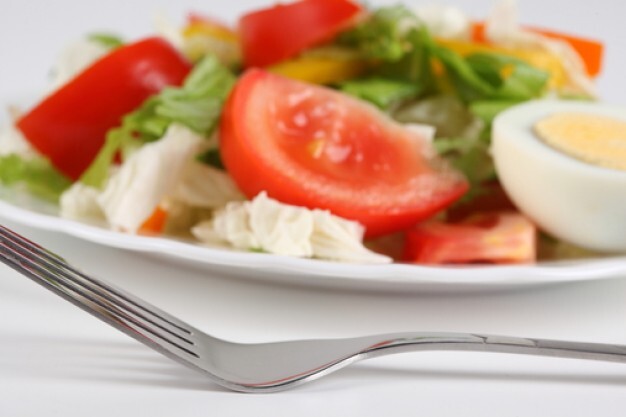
(483, 76)
(470, 156)
(487, 110)
(35, 173)
(384, 35)
(107, 40)
(197, 104)
(461, 134)
(401, 51)
(97, 173)
(398, 45)
(446, 112)
(384, 93)
(489, 84)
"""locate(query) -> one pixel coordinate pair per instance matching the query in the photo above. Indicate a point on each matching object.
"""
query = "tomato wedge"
(69, 126)
(502, 237)
(280, 32)
(311, 146)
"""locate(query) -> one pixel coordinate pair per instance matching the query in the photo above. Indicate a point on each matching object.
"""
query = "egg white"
(572, 200)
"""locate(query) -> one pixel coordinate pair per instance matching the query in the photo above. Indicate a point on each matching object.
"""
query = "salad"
(317, 128)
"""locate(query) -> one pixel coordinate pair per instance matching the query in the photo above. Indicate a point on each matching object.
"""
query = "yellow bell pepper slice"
(202, 37)
(325, 66)
(209, 29)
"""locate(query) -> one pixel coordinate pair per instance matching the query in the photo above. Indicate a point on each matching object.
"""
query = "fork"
(260, 367)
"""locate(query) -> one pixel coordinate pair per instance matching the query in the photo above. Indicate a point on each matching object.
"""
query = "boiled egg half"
(563, 163)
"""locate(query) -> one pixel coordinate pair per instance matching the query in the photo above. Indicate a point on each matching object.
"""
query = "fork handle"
(491, 343)
(306, 360)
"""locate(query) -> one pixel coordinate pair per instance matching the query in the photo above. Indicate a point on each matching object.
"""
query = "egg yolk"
(592, 138)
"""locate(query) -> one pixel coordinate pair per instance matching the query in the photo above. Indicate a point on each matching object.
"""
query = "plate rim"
(391, 276)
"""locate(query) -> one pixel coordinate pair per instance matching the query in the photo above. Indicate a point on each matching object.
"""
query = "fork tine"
(92, 297)
(57, 261)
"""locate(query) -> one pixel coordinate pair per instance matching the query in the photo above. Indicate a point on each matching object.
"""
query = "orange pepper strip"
(154, 224)
(591, 51)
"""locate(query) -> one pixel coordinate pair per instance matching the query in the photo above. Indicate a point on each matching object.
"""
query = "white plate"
(27, 210)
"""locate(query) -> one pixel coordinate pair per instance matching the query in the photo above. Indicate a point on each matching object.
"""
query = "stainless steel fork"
(260, 367)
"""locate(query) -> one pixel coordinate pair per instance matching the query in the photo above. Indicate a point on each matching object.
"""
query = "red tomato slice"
(277, 33)
(69, 126)
(311, 146)
(504, 237)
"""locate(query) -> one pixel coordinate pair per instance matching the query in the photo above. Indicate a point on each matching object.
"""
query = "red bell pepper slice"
(70, 125)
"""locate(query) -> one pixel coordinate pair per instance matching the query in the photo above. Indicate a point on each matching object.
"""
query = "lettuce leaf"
(384, 36)
(447, 113)
(36, 174)
(400, 50)
(463, 133)
(197, 104)
(384, 93)
(489, 76)
(470, 156)
(107, 40)
(397, 44)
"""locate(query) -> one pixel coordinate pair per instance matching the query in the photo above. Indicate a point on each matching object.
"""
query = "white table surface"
(58, 361)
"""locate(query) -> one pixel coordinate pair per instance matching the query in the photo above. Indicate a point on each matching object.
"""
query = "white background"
(58, 361)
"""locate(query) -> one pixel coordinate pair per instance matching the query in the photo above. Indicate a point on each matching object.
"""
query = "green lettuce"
(36, 174)
(397, 44)
(402, 57)
(384, 93)
(197, 104)
(490, 76)
(107, 40)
